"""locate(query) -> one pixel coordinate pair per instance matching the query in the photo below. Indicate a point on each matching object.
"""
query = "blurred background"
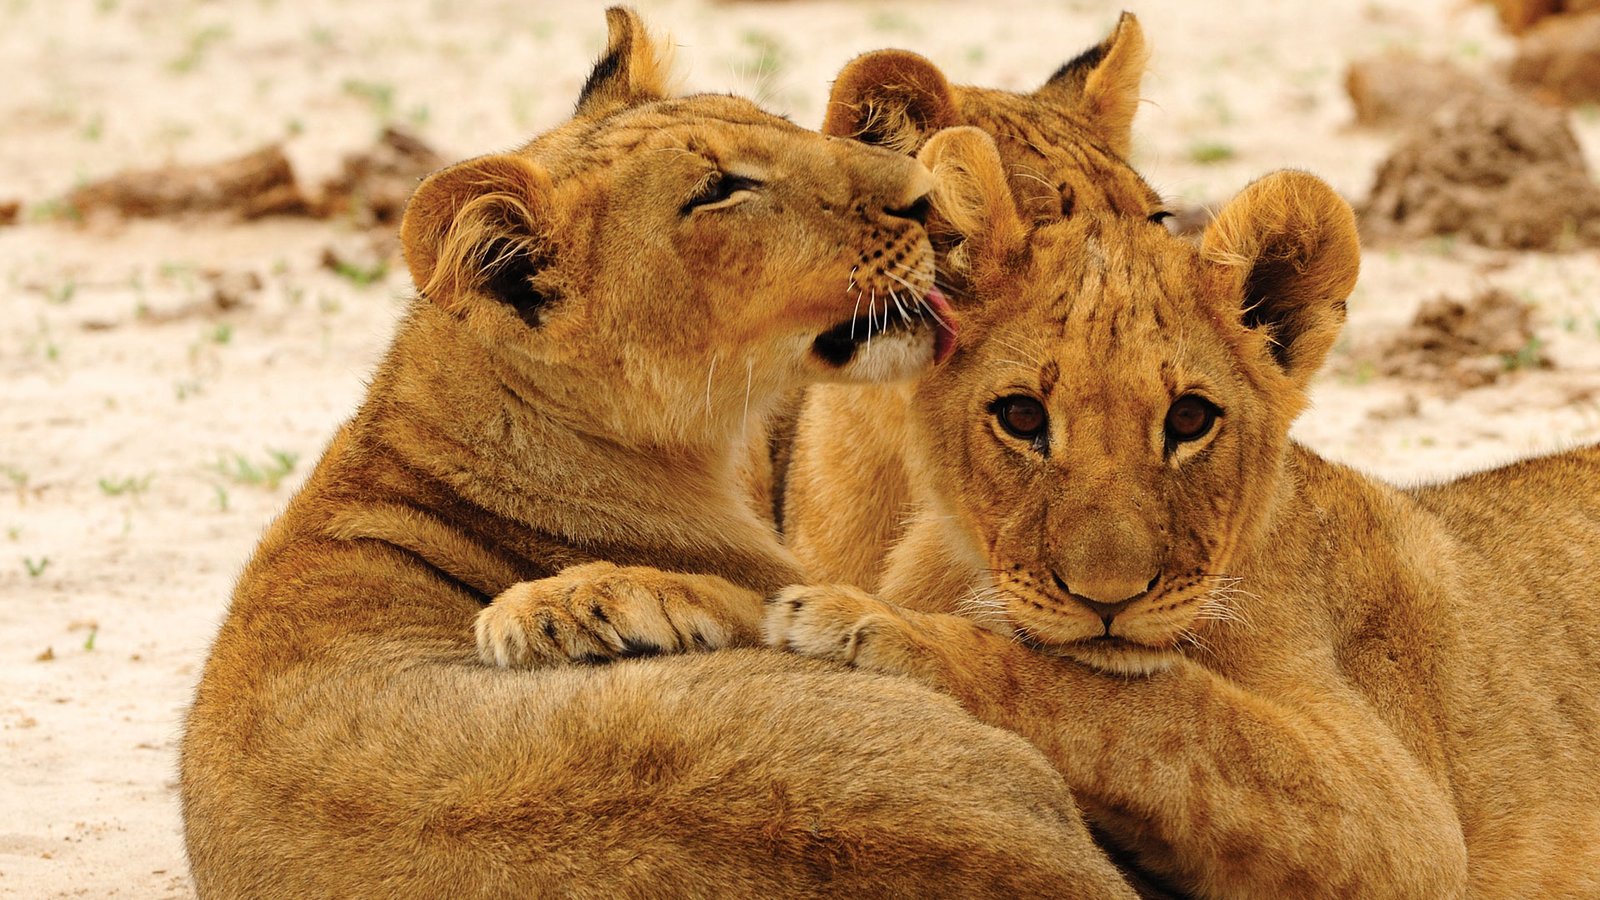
(197, 212)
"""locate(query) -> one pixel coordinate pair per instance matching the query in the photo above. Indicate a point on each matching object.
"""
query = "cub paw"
(595, 613)
(843, 624)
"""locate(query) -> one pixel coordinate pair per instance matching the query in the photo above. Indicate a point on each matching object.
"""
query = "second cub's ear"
(972, 199)
(479, 228)
(1288, 253)
(890, 98)
(633, 69)
(1101, 84)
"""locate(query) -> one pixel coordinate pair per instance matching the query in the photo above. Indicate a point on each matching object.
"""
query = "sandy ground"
(146, 437)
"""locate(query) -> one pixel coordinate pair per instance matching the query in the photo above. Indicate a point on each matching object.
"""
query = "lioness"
(600, 311)
(1262, 673)
(846, 495)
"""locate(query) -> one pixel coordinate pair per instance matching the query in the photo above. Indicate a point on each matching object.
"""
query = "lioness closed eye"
(1264, 674)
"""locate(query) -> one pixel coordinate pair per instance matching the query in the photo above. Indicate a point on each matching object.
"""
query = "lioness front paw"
(598, 612)
(846, 625)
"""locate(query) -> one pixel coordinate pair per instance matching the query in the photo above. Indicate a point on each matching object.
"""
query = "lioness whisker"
(711, 371)
(749, 378)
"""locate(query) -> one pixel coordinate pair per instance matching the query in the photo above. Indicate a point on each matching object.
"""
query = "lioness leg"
(743, 773)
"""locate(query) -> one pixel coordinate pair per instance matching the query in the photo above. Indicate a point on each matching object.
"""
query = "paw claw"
(598, 612)
(635, 649)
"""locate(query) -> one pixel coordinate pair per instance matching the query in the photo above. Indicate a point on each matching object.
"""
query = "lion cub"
(1262, 673)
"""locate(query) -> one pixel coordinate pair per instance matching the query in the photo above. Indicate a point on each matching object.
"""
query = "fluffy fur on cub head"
(1065, 144)
(1125, 398)
(649, 237)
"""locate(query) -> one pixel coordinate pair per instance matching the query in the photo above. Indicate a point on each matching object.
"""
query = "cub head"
(1064, 146)
(1110, 435)
(696, 255)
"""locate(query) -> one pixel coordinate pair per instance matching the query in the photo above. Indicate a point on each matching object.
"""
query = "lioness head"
(1064, 145)
(1111, 429)
(696, 256)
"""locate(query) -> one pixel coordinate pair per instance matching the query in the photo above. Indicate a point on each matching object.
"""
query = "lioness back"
(599, 314)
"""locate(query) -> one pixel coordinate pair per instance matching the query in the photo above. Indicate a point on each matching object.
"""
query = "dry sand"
(147, 434)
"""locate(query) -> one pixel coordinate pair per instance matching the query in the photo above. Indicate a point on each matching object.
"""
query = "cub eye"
(1189, 418)
(719, 187)
(1162, 218)
(1021, 416)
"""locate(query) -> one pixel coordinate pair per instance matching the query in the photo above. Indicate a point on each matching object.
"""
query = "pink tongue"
(944, 338)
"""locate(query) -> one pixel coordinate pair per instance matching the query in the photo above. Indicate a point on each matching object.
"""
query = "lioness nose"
(915, 195)
(916, 212)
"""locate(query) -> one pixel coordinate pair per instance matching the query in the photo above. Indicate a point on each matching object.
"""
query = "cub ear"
(1101, 84)
(972, 199)
(633, 70)
(890, 98)
(479, 227)
(1287, 250)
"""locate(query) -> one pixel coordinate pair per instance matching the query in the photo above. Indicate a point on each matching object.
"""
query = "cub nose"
(1106, 600)
(917, 211)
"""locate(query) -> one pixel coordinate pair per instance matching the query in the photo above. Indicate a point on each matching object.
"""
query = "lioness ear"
(1101, 84)
(479, 227)
(1289, 255)
(889, 98)
(633, 70)
(972, 199)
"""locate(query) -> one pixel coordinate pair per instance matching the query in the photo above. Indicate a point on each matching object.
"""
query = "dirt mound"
(1395, 89)
(1559, 60)
(371, 187)
(1498, 171)
(249, 186)
(1459, 345)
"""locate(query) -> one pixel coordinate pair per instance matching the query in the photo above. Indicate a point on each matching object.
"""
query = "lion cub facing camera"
(1262, 673)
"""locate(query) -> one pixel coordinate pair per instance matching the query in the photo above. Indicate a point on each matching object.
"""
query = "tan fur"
(571, 390)
(846, 497)
(1332, 687)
